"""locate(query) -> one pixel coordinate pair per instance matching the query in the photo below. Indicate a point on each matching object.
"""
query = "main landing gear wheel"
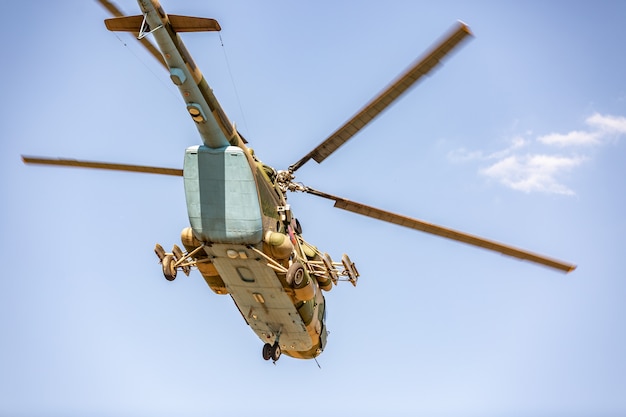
(295, 275)
(271, 351)
(169, 267)
(267, 351)
(275, 351)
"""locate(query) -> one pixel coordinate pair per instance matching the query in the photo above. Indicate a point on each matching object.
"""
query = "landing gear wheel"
(295, 275)
(267, 351)
(169, 267)
(275, 351)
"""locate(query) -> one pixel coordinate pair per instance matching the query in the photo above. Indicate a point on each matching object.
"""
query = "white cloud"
(517, 143)
(602, 129)
(608, 125)
(464, 155)
(539, 169)
(573, 138)
(530, 173)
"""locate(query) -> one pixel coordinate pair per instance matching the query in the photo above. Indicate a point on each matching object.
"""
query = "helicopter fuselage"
(249, 239)
(242, 236)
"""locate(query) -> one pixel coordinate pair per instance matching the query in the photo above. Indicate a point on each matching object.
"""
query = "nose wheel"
(271, 351)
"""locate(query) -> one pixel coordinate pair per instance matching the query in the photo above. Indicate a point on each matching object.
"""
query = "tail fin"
(179, 24)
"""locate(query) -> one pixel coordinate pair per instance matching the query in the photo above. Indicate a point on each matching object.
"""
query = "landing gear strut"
(175, 260)
(271, 351)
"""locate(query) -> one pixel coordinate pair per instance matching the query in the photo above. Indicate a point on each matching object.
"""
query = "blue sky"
(519, 137)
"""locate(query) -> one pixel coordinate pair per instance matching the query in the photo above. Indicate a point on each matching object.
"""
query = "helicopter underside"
(260, 296)
(224, 207)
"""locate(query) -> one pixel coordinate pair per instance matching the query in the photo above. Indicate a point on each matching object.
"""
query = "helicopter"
(243, 236)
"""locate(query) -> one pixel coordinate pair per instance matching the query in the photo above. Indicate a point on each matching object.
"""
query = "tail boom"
(211, 121)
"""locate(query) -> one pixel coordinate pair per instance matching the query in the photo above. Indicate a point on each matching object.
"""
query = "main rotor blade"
(386, 97)
(444, 232)
(102, 165)
(115, 11)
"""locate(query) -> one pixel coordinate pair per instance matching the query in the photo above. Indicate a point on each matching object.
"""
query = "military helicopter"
(244, 237)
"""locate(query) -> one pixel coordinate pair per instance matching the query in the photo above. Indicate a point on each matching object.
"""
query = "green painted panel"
(222, 198)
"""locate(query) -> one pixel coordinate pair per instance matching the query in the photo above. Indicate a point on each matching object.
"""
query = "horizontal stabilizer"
(124, 24)
(179, 24)
(194, 24)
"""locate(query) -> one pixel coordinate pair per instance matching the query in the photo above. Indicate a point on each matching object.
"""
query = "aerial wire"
(145, 64)
(232, 80)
